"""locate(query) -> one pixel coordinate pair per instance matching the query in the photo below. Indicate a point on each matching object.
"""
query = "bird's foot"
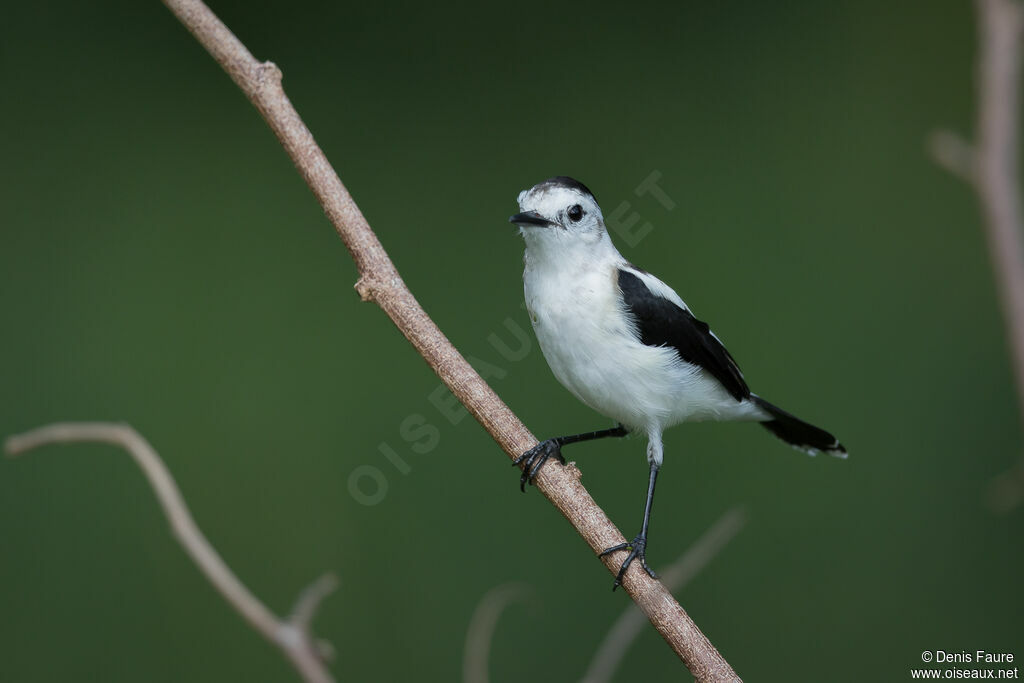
(637, 550)
(535, 458)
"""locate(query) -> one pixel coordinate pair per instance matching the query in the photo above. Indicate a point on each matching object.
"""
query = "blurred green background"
(163, 264)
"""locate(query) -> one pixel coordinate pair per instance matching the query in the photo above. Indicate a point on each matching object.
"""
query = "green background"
(163, 264)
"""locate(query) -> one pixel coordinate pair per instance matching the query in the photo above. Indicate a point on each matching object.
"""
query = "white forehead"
(548, 199)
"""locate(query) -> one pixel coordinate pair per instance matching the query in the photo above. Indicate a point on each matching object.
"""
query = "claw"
(637, 550)
(535, 458)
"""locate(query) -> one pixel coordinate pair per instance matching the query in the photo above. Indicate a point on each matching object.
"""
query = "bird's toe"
(637, 551)
(533, 459)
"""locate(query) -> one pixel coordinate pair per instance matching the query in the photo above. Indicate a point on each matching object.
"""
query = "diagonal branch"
(380, 282)
(626, 629)
(291, 636)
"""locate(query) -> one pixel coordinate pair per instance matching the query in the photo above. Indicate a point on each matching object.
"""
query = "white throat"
(558, 249)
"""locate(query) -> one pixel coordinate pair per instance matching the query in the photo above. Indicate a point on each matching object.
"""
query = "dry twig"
(480, 634)
(292, 636)
(476, 654)
(991, 167)
(380, 282)
(626, 629)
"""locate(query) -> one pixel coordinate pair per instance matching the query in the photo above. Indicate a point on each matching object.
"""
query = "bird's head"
(559, 212)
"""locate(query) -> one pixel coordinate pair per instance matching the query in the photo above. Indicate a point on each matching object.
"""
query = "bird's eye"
(575, 213)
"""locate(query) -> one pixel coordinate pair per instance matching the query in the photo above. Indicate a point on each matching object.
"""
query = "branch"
(998, 180)
(291, 636)
(622, 634)
(380, 282)
(992, 168)
(480, 634)
(991, 164)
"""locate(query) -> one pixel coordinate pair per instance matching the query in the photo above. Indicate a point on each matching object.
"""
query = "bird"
(625, 344)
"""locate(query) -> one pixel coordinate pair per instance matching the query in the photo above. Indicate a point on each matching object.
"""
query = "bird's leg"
(638, 546)
(535, 458)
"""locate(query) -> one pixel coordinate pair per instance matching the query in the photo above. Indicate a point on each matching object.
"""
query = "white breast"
(587, 340)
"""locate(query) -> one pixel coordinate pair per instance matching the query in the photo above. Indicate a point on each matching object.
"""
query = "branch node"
(292, 636)
(269, 73)
(367, 289)
(309, 600)
(289, 636)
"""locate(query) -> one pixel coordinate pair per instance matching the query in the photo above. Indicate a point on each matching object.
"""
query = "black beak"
(530, 218)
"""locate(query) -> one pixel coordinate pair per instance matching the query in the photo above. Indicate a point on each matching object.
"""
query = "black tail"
(798, 433)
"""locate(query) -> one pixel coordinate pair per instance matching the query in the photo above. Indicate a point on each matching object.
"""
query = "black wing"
(661, 322)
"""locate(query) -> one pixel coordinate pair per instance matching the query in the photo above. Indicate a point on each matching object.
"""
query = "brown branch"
(997, 178)
(991, 167)
(625, 630)
(380, 282)
(291, 635)
(480, 634)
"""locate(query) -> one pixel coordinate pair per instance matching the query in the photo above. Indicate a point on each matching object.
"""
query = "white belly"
(591, 349)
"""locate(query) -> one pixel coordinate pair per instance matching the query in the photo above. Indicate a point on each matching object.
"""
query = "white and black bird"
(624, 343)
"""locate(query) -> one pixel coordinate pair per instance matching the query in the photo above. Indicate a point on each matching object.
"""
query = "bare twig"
(305, 609)
(292, 635)
(991, 166)
(998, 180)
(622, 634)
(480, 634)
(380, 282)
